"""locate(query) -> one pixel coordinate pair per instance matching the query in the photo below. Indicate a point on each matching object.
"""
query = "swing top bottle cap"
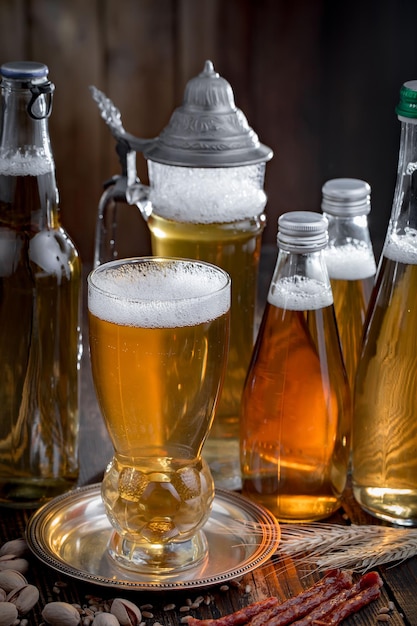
(346, 197)
(24, 70)
(207, 130)
(407, 106)
(302, 231)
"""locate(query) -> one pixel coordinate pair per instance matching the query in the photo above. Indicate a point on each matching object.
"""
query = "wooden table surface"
(281, 577)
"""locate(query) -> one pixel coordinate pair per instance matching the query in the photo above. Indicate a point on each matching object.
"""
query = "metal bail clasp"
(47, 88)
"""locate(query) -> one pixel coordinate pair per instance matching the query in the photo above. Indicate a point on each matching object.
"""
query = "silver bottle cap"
(346, 197)
(32, 76)
(208, 130)
(24, 70)
(302, 231)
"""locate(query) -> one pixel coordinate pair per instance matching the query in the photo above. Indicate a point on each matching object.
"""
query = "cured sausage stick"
(239, 617)
(368, 590)
(258, 613)
(296, 607)
(333, 606)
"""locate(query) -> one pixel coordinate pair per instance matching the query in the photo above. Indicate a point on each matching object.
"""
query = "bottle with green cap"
(346, 202)
(296, 406)
(384, 444)
(40, 279)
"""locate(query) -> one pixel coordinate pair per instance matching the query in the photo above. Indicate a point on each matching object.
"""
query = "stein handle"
(125, 189)
(136, 192)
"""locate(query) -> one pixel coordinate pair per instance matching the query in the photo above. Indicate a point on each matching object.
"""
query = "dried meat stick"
(356, 602)
(345, 598)
(242, 616)
(298, 606)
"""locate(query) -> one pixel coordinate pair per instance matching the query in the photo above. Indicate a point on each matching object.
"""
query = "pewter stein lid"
(207, 130)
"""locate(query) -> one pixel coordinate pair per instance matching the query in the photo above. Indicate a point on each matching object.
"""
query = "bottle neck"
(343, 230)
(404, 210)
(24, 141)
(28, 191)
(300, 281)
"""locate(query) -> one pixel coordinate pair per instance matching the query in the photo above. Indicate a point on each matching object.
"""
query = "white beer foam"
(402, 248)
(350, 262)
(206, 195)
(300, 294)
(150, 295)
(28, 163)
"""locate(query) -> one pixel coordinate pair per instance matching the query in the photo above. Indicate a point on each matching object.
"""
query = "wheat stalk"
(324, 546)
(358, 548)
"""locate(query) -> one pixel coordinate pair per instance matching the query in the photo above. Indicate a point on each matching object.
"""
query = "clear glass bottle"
(346, 202)
(40, 279)
(296, 407)
(384, 444)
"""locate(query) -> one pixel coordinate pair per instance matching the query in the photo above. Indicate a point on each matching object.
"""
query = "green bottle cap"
(407, 106)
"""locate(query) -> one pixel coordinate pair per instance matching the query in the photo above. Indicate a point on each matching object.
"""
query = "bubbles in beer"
(154, 295)
(352, 261)
(207, 195)
(132, 484)
(299, 293)
(402, 248)
(187, 482)
(31, 162)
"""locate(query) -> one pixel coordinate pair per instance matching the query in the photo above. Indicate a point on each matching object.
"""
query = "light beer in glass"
(159, 340)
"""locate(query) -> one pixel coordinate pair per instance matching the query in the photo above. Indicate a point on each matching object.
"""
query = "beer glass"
(159, 333)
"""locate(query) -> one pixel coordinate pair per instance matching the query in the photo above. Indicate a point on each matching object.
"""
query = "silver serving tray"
(71, 532)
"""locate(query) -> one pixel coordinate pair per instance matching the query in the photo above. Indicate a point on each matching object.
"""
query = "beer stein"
(159, 330)
(205, 201)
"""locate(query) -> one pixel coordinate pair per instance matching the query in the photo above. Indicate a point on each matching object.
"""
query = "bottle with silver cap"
(384, 442)
(40, 280)
(350, 261)
(296, 407)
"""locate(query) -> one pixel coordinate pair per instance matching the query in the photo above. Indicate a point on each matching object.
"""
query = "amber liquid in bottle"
(385, 425)
(352, 270)
(296, 412)
(40, 349)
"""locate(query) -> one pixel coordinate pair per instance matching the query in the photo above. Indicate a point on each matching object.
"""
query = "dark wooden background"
(317, 79)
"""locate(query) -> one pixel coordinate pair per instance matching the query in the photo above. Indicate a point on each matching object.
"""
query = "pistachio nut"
(17, 547)
(8, 614)
(11, 579)
(60, 614)
(127, 613)
(105, 619)
(10, 561)
(2, 595)
(24, 598)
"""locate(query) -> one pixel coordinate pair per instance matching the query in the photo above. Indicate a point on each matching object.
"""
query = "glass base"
(396, 506)
(160, 558)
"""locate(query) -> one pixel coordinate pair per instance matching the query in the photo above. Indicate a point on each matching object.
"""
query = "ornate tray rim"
(251, 515)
